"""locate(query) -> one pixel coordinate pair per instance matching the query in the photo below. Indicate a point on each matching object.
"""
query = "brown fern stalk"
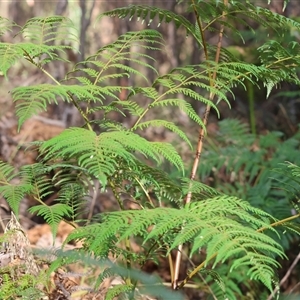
(196, 163)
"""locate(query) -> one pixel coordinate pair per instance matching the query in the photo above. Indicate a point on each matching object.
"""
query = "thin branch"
(202, 130)
(285, 277)
(280, 222)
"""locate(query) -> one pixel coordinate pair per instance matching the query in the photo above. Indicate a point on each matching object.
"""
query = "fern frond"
(72, 195)
(283, 60)
(14, 194)
(142, 178)
(149, 13)
(46, 41)
(168, 151)
(99, 154)
(7, 172)
(34, 99)
(226, 226)
(9, 55)
(118, 290)
(273, 52)
(166, 124)
(36, 175)
(49, 30)
(226, 284)
(118, 58)
(236, 11)
(6, 25)
(52, 214)
(242, 155)
(183, 106)
(132, 107)
(13, 191)
(198, 189)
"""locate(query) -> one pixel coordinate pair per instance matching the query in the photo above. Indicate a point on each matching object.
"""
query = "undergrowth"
(220, 230)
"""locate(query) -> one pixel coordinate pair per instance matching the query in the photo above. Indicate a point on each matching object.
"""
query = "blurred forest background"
(266, 134)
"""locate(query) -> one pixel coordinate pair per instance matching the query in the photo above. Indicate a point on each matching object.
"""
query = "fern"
(223, 239)
(253, 168)
(52, 214)
(226, 229)
(116, 58)
(98, 154)
(142, 13)
(118, 290)
(42, 34)
(5, 25)
(12, 190)
(34, 99)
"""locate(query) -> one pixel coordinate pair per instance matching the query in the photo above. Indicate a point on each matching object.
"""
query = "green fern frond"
(241, 158)
(168, 152)
(9, 55)
(219, 282)
(99, 154)
(283, 60)
(132, 107)
(52, 214)
(14, 194)
(149, 92)
(118, 56)
(118, 290)
(142, 178)
(72, 195)
(211, 12)
(226, 226)
(49, 30)
(6, 25)
(36, 175)
(7, 172)
(108, 272)
(96, 154)
(46, 41)
(149, 13)
(226, 284)
(34, 99)
(154, 150)
(198, 189)
(183, 106)
(166, 124)
(13, 191)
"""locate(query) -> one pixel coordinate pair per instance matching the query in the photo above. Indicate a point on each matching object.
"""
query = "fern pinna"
(120, 158)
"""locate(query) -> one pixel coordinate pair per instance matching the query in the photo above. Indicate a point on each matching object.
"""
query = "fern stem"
(127, 242)
(195, 271)
(145, 191)
(251, 106)
(233, 12)
(280, 222)
(202, 130)
(116, 194)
